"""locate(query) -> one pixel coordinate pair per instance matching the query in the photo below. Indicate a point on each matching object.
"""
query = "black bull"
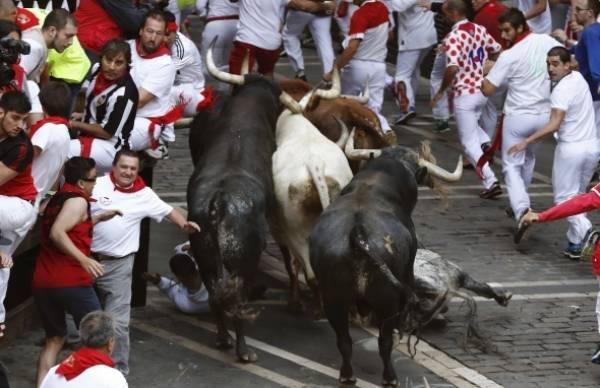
(363, 249)
(229, 195)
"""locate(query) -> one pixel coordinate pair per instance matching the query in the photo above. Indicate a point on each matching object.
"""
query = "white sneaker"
(159, 153)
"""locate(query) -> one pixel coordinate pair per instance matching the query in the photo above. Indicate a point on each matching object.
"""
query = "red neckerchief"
(102, 84)
(69, 188)
(523, 35)
(81, 360)
(26, 19)
(162, 50)
(49, 119)
(137, 185)
(171, 27)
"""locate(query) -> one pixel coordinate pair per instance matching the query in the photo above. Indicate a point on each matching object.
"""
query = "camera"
(10, 49)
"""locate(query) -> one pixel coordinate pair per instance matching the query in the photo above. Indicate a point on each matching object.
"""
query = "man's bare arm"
(145, 97)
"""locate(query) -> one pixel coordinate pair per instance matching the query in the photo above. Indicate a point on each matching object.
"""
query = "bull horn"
(223, 76)
(442, 174)
(363, 98)
(362, 154)
(344, 136)
(246, 63)
(336, 88)
(290, 103)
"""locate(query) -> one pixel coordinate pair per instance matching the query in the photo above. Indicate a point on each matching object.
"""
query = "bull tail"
(317, 173)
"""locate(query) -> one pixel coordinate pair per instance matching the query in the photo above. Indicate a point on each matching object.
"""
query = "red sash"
(496, 144)
(168, 118)
(81, 360)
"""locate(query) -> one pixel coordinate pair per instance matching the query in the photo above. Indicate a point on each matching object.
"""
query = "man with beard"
(578, 147)
(522, 70)
(111, 106)
(153, 72)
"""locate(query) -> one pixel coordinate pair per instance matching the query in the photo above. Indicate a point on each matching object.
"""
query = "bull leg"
(386, 343)
(224, 339)
(501, 297)
(294, 304)
(244, 353)
(337, 313)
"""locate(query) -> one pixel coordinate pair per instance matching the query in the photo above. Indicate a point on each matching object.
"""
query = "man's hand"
(328, 76)
(560, 35)
(328, 7)
(436, 98)
(487, 66)
(93, 267)
(424, 4)
(190, 227)
(517, 148)
(576, 27)
(5, 260)
(530, 217)
(152, 277)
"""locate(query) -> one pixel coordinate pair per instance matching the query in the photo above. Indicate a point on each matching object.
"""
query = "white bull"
(309, 171)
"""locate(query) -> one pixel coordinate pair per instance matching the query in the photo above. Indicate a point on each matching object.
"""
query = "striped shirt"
(187, 61)
(114, 108)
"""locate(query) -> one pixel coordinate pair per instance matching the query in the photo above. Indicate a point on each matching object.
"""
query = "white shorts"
(144, 130)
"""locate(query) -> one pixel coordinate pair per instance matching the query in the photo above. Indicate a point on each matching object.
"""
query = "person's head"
(115, 59)
(97, 331)
(152, 33)
(60, 27)
(185, 269)
(559, 62)
(585, 11)
(512, 23)
(8, 11)
(81, 172)
(171, 30)
(478, 4)
(455, 10)
(125, 167)
(9, 29)
(55, 97)
(14, 108)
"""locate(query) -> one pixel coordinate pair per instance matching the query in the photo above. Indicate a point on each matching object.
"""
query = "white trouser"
(597, 116)
(467, 111)
(320, 29)
(518, 168)
(355, 76)
(573, 167)
(191, 94)
(408, 71)
(598, 305)
(440, 111)
(102, 151)
(489, 114)
(17, 216)
(224, 31)
(139, 139)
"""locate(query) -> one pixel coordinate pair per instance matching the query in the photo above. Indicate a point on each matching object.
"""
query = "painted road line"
(540, 296)
(547, 283)
(471, 196)
(273, 350)
(216, 355)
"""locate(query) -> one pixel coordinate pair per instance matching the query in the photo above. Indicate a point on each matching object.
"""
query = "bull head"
(432, 168)
(235, 79)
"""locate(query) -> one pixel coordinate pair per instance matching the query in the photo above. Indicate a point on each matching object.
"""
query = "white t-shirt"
(541, 24)
(370, 24)
(120, 235)
(54, 140)
(155, 75)
(261, 23)
(99, 376)
(218, 8)
(523, 69)
(572, 95)
(34, 62)
(186, 301)
(187, 61)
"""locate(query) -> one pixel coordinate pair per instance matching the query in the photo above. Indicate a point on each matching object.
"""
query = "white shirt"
(541, 24)
(155, 75)
(523, 69)
(34, 62)
(217, 8)
(370, 23)
(54, 140)
(120, 235)
(186, 301)
(99, 376)
(572, 95)
(261, 23)
(187, 61)
(415, 25)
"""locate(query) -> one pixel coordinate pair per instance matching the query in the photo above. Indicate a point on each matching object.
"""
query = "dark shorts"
(53, 303)
(266, 59)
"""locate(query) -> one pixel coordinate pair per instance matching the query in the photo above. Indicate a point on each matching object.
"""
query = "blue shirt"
(587, 53)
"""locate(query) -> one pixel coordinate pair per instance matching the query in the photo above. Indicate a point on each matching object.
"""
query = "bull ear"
(421, 174)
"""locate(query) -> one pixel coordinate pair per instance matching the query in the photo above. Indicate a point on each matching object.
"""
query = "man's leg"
(114, 290)
(406, 63)
(294, 25)
(441, 111)
(320, 28)
(47, 359)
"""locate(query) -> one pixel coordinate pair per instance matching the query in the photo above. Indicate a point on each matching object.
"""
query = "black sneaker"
(573, 251)
(494, 191)
(596, 356)
(509, 213)
(521, 228)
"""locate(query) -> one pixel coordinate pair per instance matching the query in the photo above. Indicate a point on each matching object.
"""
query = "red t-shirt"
(17, 154)
(53, 267)
(487, 16)
(95, 26)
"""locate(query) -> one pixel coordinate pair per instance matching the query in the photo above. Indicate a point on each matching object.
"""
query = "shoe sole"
(520, 234)
(404, 119)
(492, 194)
(572, 256)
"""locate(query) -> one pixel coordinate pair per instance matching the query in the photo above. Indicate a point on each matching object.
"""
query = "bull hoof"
(248, 357)
(224, 342)
(347, 381)
(391, 383)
